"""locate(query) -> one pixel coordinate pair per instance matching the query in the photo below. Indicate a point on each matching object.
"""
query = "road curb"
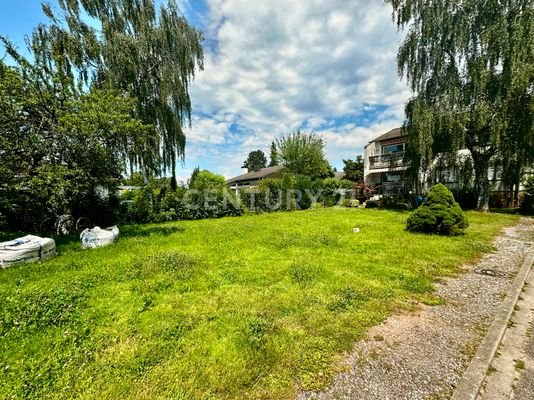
(469, 386)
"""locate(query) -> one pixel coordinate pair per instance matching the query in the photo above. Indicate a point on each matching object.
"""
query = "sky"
(276, 66)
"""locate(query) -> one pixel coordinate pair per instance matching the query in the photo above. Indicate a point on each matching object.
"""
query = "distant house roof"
(129, 187)
(255, 175)
(339, 175)
(392, 134)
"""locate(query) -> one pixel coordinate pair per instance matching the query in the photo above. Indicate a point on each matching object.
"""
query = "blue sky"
(274, 66)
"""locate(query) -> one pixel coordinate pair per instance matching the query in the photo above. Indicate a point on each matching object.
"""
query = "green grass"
(246, 308)
(519, 364)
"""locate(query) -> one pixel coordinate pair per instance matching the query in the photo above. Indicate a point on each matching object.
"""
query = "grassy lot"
(246, 308)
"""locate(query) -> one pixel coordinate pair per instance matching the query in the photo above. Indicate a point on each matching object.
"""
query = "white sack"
(98, 237)
(26, 249)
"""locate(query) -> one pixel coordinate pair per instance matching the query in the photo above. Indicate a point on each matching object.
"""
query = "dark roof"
(255, 175)
(392, 134)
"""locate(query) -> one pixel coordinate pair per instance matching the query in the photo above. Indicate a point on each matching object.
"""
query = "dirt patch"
(423, 355)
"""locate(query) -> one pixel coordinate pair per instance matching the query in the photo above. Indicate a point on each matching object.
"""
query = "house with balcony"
(385, 167)
(385, 164)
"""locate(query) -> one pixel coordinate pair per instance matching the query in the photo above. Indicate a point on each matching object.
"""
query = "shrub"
(315, 205)
(371, 204)
(164, 216)
(205, 179)
(354, 203)
(394, 203)
(332, 190)
(347, 202)
(181, 204)
(303, 185)
(439, 213)
(273, 194)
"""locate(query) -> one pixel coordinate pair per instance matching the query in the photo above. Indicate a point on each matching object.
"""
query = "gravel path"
(423, 355)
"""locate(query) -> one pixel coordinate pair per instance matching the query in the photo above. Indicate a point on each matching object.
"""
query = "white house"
(384, 163)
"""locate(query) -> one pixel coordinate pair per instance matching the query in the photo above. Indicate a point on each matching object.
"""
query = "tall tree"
(131, 45)
(255, 161)
(193, 177)
(274, 156)
(354, 169)
(303, 154)
(467, 63)
(57, 144)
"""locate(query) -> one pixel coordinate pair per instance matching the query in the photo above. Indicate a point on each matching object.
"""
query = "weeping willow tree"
(470, 66)
(130, 45)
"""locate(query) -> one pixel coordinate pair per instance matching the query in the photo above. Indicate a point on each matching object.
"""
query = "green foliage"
(348, 297)
(39, 309)
(274, 157)
(316, 205)
(180, 265)
(304, 187)
(333, 190)
(348, 202)
(59, 146)
(194, 174)
(205, 180)
(439, 213)
(353, 169)
(470, 67)
(92, 43)
(220, 308)
(304, 274)
(255, 161)
(206, 197)
(295, 192)
(135, 179)
(303, 154)
(258, 329)
(273, 194)
(395, 203)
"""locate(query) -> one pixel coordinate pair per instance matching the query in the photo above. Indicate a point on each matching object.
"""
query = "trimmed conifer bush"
(439, 213)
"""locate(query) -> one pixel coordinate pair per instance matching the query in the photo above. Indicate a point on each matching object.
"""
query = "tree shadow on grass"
(7, 236)
(152, 230)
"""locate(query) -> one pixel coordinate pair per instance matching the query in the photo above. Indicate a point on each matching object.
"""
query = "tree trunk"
(510, 196)
(516, 195)
(482, 184)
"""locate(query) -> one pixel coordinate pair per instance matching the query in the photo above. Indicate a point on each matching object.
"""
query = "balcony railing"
(391, 160)
(392, 188)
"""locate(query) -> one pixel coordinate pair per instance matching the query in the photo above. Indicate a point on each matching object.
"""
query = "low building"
(252, 178)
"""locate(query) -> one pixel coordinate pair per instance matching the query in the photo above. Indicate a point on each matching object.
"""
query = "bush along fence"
(278, 194)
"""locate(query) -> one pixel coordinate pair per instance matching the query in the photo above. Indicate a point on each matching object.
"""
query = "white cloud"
(280, 63)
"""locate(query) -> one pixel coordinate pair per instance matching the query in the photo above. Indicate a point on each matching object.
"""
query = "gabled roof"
(255, 175)
(392, 134)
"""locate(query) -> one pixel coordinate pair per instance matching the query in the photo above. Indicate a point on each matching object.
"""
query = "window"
(392, 177)
(393, 148)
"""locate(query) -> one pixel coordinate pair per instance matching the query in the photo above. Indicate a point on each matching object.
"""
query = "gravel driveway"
(423, 355)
